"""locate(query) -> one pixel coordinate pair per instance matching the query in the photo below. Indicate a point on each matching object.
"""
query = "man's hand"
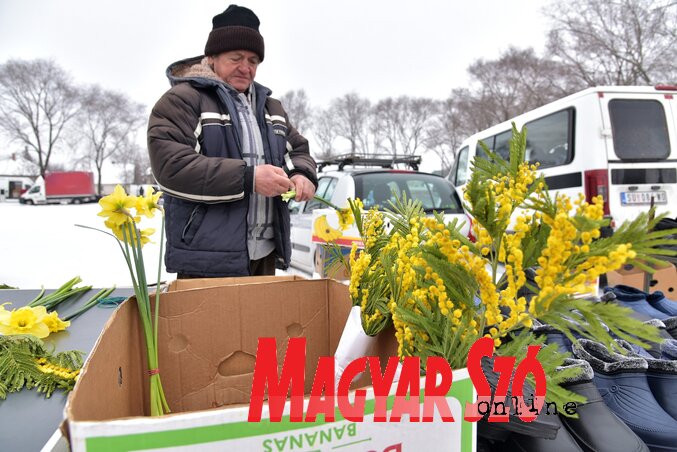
(270, 180)
(305, 189)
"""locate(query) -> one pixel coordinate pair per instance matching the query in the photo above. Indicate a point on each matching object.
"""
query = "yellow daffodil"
(145, 235)
(54, 323)
(24, 321)
(148, 204)
(345, 217)
(323, 230)
(4, 314)
(117, 230)
(116, 206)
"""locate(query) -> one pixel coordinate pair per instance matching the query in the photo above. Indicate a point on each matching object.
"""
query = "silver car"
(375, 187)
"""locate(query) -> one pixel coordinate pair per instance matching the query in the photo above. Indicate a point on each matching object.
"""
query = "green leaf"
(18, 366)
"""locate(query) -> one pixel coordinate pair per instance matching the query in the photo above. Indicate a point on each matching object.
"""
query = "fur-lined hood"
(196, 71)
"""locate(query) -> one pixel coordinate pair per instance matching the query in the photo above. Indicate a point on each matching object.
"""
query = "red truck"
(60, 187)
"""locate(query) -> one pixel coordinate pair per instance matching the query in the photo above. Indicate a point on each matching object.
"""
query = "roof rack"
(381, 160)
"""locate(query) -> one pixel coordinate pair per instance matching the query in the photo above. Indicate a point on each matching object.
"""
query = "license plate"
(643, 197)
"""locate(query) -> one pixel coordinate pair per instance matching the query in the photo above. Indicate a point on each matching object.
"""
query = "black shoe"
(596, 429)
(671, 327)
(622, 383)
(563, 442)
(543, 426)
(669, 350)
(662, 377)
(635, 299)
(553, 336)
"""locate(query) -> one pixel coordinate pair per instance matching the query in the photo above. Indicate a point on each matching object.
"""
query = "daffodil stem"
(64, 292)
(149, 318)
(36, 299)
(103, 293)
(329, 203)
(291, 193)
(159, 277)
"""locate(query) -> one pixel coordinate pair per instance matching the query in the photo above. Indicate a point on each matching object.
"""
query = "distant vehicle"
(62, 187)
(12, 186)
(618, 142)
(358, 178)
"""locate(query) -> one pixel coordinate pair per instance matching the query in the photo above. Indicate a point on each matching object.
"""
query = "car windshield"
(434, 193)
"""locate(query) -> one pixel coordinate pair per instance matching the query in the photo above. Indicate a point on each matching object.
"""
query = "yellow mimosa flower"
(116, 206)
(54, 323)
(24, 321)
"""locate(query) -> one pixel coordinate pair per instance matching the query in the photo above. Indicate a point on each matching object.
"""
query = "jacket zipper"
(190, 221)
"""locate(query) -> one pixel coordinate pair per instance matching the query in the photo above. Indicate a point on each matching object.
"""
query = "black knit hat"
(237, 28)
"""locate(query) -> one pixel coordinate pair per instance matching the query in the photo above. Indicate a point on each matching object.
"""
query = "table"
(27, 418)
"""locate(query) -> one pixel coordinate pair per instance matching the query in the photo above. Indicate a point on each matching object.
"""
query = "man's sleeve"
(174, 132)
(297, 156)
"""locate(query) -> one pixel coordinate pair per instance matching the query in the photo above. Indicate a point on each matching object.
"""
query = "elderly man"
(223, 150)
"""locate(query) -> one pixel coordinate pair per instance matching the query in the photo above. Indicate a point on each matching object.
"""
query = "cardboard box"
(664, 279)
(327, 265)
(330, 267)
(208, 339)
(201, 283)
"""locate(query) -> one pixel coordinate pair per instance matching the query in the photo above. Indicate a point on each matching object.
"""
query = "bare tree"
(109, 121)
(621, 42)
(297, 106)
(446, 131)
(37, 102)
(402, 123)
(516, 82)
(352, 118)
(324, 132)
(134, 161)
(386, 118)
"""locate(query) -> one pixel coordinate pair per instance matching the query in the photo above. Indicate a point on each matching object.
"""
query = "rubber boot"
(662, 377)
(636, 300)
(622, 383)
(563, 442)
(597, 428)
(658, 301)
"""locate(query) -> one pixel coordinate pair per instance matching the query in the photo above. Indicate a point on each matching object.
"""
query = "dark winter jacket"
(195, 155)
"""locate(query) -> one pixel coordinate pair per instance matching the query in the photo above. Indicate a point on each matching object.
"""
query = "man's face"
(237, 68)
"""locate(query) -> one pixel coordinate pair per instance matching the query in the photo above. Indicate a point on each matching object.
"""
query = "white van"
(616, 141)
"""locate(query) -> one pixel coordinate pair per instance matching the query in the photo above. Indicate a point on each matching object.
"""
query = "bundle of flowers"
(123, 214)
(442, 292)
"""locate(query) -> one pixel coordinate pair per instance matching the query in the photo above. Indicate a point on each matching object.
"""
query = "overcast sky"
(376, 48)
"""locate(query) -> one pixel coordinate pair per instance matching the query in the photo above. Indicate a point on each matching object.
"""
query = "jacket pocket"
(193, 223)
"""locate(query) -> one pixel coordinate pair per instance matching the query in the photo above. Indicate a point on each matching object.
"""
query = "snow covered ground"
(41, 246)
